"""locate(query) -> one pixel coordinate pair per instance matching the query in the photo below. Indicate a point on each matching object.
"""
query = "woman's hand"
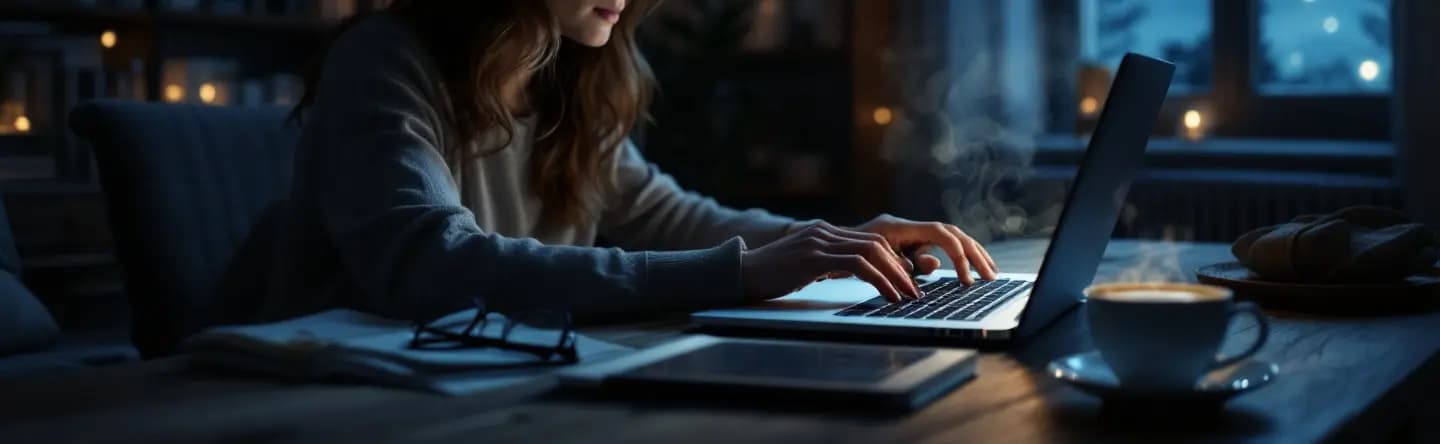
(914, 239)
(822, 250)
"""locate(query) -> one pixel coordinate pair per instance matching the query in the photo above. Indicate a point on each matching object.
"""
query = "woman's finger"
(859, 235)
(975, 253)
(878, 250)
(938, 234)
(883, 260)
(861, 268)
(925, 263)
(988, 259)
(978, 257)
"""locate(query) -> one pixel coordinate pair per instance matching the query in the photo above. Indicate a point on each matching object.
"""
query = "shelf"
(187, 19)
(30, 144)
(1355, 157)
(232, 21)
(1235, 176)
(40, 11)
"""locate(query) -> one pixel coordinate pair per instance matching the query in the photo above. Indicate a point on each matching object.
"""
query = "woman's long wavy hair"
(586, 100)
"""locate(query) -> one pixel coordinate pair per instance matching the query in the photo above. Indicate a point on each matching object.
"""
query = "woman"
(460, 149)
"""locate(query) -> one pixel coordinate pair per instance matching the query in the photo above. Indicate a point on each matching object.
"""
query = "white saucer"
(1088, 372)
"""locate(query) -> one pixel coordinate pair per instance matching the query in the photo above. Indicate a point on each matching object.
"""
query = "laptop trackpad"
(831, 294)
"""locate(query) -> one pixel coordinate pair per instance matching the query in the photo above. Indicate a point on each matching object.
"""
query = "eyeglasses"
(547, 334)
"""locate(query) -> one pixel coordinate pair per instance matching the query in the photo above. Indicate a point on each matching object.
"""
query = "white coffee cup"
(1165, 336)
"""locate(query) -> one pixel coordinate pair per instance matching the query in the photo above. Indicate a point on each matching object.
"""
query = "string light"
(1089, 106)
(1193, 119)
(174, 93)
(207, 93)
(1369, 70)
(1194, 124)
(22, 124)
(108, 39)
(1331, 24)
(883, 116)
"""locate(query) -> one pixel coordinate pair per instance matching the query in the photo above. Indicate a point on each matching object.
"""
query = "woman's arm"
(392, 210)
(650, 211)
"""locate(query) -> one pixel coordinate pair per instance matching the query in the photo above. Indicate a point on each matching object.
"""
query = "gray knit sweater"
(380, 221)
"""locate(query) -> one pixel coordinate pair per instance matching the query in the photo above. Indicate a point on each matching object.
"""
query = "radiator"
(1221, 210)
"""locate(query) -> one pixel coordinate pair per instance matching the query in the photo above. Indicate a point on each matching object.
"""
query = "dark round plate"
(1419, 292)
(1089, 373)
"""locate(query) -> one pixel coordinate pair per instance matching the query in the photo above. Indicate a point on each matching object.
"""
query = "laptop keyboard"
(945, 298)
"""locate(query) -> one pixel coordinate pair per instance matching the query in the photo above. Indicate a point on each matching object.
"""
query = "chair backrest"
(185, 185)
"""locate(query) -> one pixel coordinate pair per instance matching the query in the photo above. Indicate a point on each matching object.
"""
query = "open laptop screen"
(1115, 153)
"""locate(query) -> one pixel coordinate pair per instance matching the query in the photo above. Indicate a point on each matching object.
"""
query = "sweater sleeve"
(393, 212)
(649, 210)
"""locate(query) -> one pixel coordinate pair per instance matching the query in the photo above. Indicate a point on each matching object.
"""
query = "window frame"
(1235, 106)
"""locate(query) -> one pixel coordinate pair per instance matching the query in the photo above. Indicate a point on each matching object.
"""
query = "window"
(1253, 68)
(1324, 47)
(1176, 30)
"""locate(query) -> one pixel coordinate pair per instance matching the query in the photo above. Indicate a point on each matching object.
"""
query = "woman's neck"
(515, 95)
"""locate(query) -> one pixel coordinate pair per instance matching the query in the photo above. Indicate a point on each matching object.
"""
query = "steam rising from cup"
(949, 133)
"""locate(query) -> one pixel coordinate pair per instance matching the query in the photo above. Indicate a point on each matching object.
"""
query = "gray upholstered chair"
(30, 340)
(25, 324)
(186, 186)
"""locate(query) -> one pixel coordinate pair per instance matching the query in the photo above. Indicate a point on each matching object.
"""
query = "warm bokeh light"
(1089, 106)
(1331, 24)
(108, 39)
(1193, 119)
(1369, 70)
(207, 93)
(883, 115)
(1193, 126)
(174, 93)
(22, 124)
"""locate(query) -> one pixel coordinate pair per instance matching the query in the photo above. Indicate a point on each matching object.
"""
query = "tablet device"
(871, 376)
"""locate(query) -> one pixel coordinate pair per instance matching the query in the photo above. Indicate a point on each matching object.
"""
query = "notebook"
(351, 346)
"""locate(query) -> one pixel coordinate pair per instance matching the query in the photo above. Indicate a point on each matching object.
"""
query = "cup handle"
(1254, 311)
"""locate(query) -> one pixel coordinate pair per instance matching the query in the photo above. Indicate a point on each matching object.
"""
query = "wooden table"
(1357, 379)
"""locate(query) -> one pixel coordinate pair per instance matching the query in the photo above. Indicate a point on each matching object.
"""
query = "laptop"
(1013, 306)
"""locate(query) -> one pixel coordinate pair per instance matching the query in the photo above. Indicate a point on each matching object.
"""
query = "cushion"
(1354, 245)
(185, 185)
(25, 324)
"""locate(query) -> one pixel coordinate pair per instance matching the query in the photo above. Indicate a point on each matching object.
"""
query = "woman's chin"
(594, 38)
